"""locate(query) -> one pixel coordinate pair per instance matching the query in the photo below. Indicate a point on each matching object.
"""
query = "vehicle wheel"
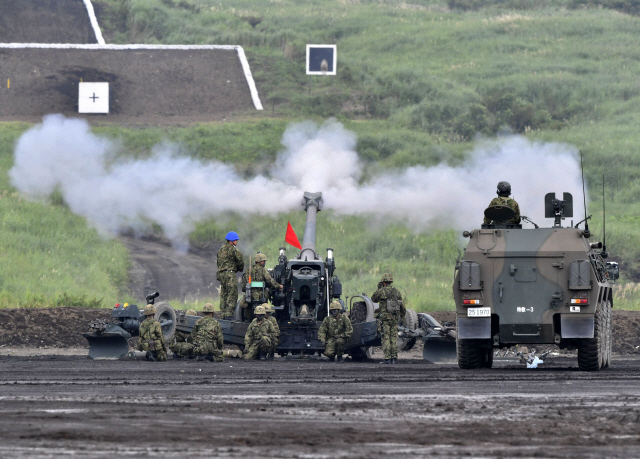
(488, 361)
(164, 312)
(361, 354)
(471, 354)
(358, 312)
(411, 322)
(591, 350)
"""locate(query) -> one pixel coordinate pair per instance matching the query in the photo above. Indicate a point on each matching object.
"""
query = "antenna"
(584, 198)
(604, 253)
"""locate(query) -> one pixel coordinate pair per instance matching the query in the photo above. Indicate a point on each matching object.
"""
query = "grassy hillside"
(416, 81)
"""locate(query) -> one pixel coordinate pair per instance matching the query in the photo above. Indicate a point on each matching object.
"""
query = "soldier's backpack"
(394, 304)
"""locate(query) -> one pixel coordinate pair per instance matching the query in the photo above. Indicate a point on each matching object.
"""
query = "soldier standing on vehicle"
(390, 309)
(207, 336)
(182, 343)
(503, 199)
(230, 262)
(259, 274)
(335, 332)
(151, 339)
(275, 339)
(257, 340)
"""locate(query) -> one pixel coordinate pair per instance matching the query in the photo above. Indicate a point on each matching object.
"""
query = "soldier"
(335, 332)
(182, 343)
(207, 336)
(151, 338)
(258, 294)
(230, 262)
(257, 340)
(503, 199)
(275, 339)
(390, 309)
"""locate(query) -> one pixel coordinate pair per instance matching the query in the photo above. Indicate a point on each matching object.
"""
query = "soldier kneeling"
(182, 343)
(151, 338)
(335, 332)
(259, 337)
(207, 337)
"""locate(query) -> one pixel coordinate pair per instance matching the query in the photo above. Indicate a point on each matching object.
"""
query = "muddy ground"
(55, 406)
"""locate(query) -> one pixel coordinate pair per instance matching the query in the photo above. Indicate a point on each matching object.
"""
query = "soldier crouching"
(207, 337)
(258, 340)
(151, 338)
(335, 332)
(182, 343)
(275, 339)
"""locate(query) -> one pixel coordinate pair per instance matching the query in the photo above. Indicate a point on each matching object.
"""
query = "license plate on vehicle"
(479, 312)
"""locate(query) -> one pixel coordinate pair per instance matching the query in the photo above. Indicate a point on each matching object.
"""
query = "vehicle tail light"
(470, 301)
(579, 301)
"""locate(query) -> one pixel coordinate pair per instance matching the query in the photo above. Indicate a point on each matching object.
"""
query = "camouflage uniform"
(335, 334)
(208, 338)
(258, 274)
(275, 338)
(258, 338)
(230, 261)
(388, 321)
(181, 344)
(151, 338)
(505, 201)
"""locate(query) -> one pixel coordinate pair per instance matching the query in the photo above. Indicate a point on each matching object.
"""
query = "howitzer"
(109, 339)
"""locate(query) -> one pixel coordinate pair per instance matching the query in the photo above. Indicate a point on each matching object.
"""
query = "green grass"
(416, 81)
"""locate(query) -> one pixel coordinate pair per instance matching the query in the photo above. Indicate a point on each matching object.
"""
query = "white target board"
(93, 98)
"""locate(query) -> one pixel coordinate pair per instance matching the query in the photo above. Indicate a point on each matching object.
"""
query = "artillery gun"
(534, 286)
(310, 284)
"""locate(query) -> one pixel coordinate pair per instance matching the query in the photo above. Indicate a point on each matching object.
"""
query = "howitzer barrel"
(312, 204)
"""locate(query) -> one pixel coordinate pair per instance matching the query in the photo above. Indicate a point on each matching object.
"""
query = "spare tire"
(164, 313)
(411, 322)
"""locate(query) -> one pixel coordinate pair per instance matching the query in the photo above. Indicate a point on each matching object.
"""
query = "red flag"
(291, 237)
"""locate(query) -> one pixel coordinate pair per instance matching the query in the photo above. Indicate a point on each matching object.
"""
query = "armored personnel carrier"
(533, 286)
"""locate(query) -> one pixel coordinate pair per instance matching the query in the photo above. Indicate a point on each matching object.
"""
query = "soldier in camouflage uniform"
(207, 336)
(275, 339)
(503, 199)
(182, 343)
(151, 339)
(390, 309)
(335, 332)
(257, 340)
(230, 262)
(258, 294)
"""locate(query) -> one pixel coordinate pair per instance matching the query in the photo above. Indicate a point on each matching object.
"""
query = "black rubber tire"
(471, 354)
(591, 351)
(411, 322)
(360, 354)
(358, 312)
(164, 311)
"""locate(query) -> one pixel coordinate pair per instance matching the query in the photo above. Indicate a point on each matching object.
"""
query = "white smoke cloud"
(176, 191)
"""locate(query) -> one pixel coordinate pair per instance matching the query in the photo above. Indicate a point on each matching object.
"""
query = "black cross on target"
(94, 97)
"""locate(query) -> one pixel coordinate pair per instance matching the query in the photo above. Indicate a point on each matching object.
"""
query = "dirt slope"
(45, 21)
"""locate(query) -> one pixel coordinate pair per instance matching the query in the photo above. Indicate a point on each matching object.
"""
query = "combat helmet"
(208, 308)
(191, 312)
(386, 277)
(260, 257)
(268, 308)
(260, 310)
(149, 310)
(335, 305)
(232, 236)
(504, 189)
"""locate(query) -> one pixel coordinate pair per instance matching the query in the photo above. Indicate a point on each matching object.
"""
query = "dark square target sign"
(321, 59)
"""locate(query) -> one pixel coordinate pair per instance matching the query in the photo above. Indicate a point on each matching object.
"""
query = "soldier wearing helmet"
(335, 332)
(182, 343)
(275, 339)
(503, 199)
(230, 262)
(390, 310)
(207, 337)
(259, 295)
(151, 339)
(258, 339)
